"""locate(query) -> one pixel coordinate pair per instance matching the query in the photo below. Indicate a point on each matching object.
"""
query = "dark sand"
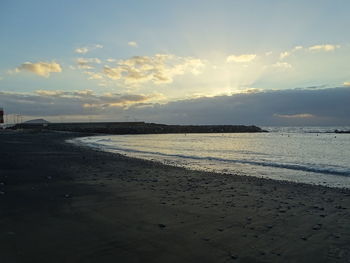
(63, 203)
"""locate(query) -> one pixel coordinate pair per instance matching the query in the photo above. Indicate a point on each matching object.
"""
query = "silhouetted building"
(1, 115)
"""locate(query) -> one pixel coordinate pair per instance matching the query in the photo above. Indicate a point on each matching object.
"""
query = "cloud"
(113, 73)
(267, 108)
(264, 108)
(49, 92)
(296, 48)
(285, 54)
(43, 69)
(241, 58)
(71, 103)
(81, 50)
(326, 47)
(158, 69)
(111, 60)
(288, 53)
(346, 84)
(295, 116)
(84, 50)
(132, 44)
(93, 75)
(321, 47)
(85, 63)
(118, 100)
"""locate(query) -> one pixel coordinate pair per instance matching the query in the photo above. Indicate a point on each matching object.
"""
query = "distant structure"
(1, 115)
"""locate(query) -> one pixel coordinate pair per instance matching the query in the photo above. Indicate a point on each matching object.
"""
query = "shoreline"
(213, 173)
(300, 175)
(67, 203)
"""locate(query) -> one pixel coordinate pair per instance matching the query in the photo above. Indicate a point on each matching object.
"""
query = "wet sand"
(63, 203)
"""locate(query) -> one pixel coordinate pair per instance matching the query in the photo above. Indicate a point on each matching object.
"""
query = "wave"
(289, 166)
(302, 130)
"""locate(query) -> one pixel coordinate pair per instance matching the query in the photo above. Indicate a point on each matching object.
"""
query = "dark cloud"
(283, 107)
(58, 103)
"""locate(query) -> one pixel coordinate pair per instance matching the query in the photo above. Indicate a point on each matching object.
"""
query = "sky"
(181, 62)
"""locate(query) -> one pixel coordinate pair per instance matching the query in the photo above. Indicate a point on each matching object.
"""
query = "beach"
(64, 203)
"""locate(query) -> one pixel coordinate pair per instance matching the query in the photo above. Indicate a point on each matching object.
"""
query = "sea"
(312, 155)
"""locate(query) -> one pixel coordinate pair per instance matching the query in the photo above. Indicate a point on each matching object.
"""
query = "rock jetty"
(137, 128)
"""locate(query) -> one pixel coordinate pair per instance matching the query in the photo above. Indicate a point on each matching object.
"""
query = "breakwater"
(137, 128)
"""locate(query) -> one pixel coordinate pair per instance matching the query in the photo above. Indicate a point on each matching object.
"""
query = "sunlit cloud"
(321, 47)
(117, 100)
(85, 63)
(346, 84)
(285, 54)
(93, 75)
(57, 102)
(295, 116)
(43, 69)
(326, 47)
(84, 50)
(49, 92)
(113, 73)
(81, 50)
(158, 69)
(244, 58)
(316, 48)
(133, 44)
(288, 53)
(251, 91)
(64, 94)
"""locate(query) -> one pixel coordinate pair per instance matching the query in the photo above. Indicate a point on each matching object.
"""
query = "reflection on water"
(317, 158)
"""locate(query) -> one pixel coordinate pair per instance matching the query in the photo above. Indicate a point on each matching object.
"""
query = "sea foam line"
(296, 167)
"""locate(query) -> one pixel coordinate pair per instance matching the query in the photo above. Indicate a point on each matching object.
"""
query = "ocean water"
(312, 155)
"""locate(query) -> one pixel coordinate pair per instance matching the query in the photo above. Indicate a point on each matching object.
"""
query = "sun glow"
(225, 78)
